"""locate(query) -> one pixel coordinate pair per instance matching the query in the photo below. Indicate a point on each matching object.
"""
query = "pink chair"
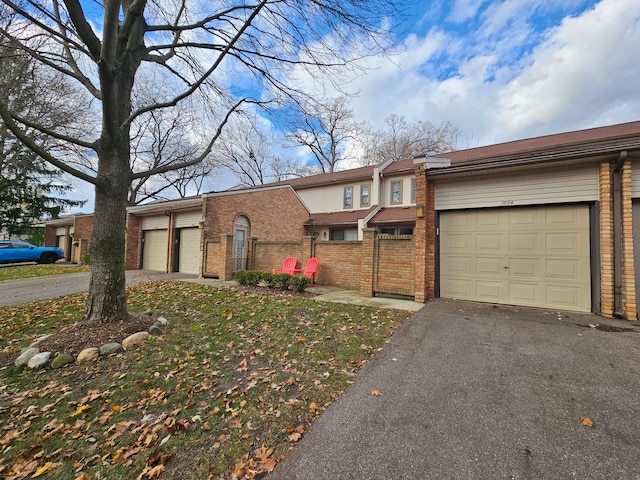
(288, 266)
(309, 270)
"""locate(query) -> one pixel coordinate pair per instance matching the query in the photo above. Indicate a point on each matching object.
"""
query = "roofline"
(257, 189)
(173, 205)
(591, 153)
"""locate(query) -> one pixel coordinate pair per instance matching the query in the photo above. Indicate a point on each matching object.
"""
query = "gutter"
(617, 234)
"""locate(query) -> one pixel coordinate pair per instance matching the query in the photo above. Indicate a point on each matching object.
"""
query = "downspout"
(617, 234)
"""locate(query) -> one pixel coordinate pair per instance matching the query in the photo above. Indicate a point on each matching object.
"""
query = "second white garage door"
(537, 256)
(189, 254)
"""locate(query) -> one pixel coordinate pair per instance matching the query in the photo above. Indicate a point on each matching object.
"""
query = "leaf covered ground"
(234, 382)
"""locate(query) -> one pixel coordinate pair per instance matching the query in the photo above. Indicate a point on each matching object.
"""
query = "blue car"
(12, 251)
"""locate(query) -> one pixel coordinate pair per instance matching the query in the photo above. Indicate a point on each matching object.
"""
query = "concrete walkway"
(477, 391)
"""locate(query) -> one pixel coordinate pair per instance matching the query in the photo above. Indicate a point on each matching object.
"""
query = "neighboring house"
(165, 236)
(70, 233)
(548, 222)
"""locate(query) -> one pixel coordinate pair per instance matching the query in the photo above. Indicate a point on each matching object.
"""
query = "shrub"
(268, 279)
(254, 277)
(86, 259)
(281, 280)
(299, 283)
(241, 277)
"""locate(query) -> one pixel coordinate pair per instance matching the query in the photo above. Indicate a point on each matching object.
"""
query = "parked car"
(12, 251)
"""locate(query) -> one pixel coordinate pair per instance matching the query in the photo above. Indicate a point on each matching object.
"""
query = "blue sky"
(504, 70)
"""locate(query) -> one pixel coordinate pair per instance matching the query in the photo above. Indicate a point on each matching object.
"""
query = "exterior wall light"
(420, 210)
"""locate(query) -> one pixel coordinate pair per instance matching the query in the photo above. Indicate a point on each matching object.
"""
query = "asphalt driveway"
(470, 391)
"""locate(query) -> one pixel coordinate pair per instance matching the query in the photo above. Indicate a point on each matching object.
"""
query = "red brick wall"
(274, 214)
(269, 255)
(339, 264)
(629, 301)
(133, 251)
(82, 231)
(395, 265)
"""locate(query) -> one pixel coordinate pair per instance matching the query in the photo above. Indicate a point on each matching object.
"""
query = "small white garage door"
(535, 256)
(189, 251)
(154, 255)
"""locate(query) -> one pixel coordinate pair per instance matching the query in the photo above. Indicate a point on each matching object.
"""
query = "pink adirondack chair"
(288, 266)
(310, 269)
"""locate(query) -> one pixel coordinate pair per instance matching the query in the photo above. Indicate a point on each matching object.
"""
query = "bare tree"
(195, 48)
(400, 140)
(326, 127)
(247, 151)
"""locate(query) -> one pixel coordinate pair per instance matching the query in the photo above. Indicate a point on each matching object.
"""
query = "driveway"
(471, 391)
(16, 292)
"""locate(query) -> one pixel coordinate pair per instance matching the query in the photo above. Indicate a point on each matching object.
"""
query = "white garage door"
(537, 256)
(189, 253)
(154, 256)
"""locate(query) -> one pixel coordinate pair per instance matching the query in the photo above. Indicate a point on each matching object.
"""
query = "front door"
(240, 250)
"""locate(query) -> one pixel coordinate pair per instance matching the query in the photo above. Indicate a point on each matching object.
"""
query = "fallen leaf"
(294, 437)
(587, 422)
(376, 393)
(313, 407)
(43, 469)
(80, 409)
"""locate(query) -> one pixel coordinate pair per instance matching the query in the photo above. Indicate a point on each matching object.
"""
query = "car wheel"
(48, 258)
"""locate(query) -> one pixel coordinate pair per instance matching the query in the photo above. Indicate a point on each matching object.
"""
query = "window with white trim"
(348, 197)
(364, 195)
(396, 192)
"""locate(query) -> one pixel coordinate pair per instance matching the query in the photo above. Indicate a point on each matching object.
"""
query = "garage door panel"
(491, 266)
(460, 265)
(487, 221)
(546, 252)
(460, 288)
(524, 243)
(490, 243)
(458, 244)
(569, 270)
(524, 294)
(563, 296)
(489, 291)
(524, 267)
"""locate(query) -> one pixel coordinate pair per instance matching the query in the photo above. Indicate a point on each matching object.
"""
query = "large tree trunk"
(107, 293)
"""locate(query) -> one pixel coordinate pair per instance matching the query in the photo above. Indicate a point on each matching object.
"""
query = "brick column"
(226, 257)
(629, 301)
(606, 240)
(368, 261)
(133, 247)
(420, 235)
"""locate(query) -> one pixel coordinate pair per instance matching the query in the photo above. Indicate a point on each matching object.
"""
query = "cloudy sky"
(505, 70)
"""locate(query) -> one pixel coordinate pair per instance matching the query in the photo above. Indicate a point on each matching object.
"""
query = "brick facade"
(629, 301)
(274, 214)
(133, 250)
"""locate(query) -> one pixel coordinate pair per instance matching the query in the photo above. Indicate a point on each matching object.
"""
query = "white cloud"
(580, 73)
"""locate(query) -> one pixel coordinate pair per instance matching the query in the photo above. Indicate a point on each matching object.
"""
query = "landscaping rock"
(155, 330)
(162, 321)
(62, 360)
(135, 340)
(110, 349)
(88, 355)
(26, 355)
(38, 360)
(40, 339)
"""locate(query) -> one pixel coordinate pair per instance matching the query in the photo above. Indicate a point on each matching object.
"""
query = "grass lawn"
(233, 383)
(26, 271)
